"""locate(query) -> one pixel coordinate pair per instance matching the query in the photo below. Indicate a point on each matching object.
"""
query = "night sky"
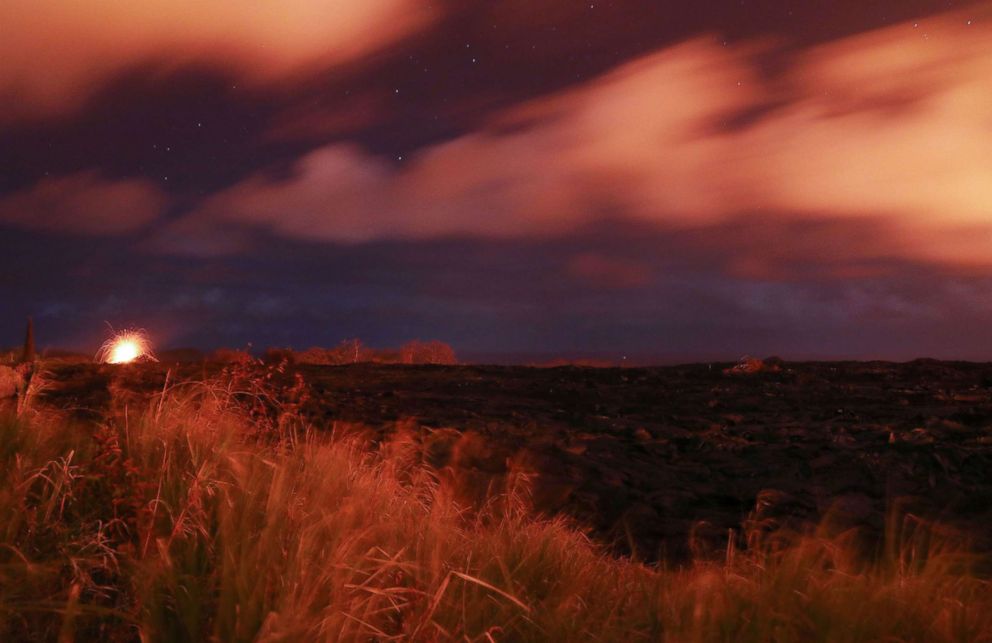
(662, 180)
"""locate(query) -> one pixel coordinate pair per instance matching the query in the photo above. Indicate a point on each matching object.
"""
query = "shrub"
(432, 352)
(230, 356)
(279, 356)
(349, 351)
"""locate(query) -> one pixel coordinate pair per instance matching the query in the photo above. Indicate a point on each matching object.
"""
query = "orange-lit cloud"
(83, 203)
(56, 52)
(890, 125)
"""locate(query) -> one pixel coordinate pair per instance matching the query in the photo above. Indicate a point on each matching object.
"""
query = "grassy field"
(186, 519)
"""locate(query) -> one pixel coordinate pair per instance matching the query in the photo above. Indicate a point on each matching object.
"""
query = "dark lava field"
(657, 462)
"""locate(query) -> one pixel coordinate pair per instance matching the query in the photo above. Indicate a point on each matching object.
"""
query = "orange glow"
(888, 127)
(125, 347)
(57, 53)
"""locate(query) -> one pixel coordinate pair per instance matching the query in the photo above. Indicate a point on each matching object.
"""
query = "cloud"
(888, 127)
(83, 203)
(57, 52)
(519, 294)
(601, 270)
(542, 168)
(889, 122)
(337, 192)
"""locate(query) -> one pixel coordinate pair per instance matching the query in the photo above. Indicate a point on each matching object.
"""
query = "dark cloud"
(685, 300)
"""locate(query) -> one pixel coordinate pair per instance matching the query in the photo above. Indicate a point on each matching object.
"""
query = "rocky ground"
(657, 461)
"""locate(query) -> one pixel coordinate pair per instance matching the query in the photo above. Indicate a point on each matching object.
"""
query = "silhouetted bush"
(230, 356)
(349, 351)
(352, 351)
(279, 356)
(432, 352)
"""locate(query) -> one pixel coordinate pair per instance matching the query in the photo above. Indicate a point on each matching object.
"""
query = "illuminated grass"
(187, 523)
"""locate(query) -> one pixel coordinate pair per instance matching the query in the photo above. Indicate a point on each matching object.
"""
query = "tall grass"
(187, 522)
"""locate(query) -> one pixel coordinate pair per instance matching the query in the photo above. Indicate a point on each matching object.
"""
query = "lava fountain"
(126, 347)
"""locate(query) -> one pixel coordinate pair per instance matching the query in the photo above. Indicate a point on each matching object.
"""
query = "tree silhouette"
(28, 354)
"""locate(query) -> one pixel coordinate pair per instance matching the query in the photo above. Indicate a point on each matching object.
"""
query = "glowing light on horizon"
(125, 347)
